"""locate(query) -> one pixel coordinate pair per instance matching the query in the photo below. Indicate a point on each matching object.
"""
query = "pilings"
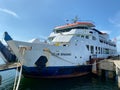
(118, 75)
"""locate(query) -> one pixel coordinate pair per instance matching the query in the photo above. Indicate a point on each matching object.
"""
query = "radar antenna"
(75, 19)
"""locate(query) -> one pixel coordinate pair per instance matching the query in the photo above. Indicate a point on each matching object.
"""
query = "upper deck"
(81, 29)
(75, 25)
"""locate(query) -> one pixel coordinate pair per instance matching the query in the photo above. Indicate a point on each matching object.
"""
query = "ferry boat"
(70, 51)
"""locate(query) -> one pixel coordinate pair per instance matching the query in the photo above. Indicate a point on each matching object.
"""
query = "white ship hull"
(58, 65)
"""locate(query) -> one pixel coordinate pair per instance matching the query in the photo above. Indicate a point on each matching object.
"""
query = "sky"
(28, 19)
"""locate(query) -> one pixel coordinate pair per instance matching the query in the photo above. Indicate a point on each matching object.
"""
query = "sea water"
(80, 83)
(7, 78)
(88, 82)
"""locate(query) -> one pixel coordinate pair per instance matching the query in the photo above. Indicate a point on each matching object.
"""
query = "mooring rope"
(17, 80)
(17, 77)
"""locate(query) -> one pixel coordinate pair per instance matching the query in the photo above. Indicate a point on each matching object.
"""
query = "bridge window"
(101, 41)
(81, 27)
(63, 30)
(51, 38)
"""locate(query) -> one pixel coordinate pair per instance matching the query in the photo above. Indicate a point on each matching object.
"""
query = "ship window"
(103, 50)
(92, 49)
(80, 27)
(101, 41)
(99, 50)
(76, 40)
(106, 51)
(75, 56)
(91, 32)
(87, 37)
(105, 42)
(65, 45)
(93, 38)
(82, 36)
(51, 38)
(63, 30)
(87, 47)
(96, 49)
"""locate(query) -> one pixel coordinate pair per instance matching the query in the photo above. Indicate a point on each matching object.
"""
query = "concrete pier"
(110, 68)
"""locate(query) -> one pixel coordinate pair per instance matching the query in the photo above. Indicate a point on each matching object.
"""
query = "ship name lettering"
(65, 54)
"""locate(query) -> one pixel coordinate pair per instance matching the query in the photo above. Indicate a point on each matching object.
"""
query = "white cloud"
(106, 31)
(9, 12)
(115, 19)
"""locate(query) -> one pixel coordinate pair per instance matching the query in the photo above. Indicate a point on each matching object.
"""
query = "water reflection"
(7, 79)
(81, 83)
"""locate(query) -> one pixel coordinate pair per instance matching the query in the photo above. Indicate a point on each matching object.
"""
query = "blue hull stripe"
(56, 72)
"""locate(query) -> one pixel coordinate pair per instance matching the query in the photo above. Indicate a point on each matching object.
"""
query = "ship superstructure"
(97, 43)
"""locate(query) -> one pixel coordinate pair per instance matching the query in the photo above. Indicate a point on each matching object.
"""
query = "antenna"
(72, 20)
(75, 19)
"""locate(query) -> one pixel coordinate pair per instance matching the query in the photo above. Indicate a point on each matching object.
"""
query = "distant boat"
(69, 52)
